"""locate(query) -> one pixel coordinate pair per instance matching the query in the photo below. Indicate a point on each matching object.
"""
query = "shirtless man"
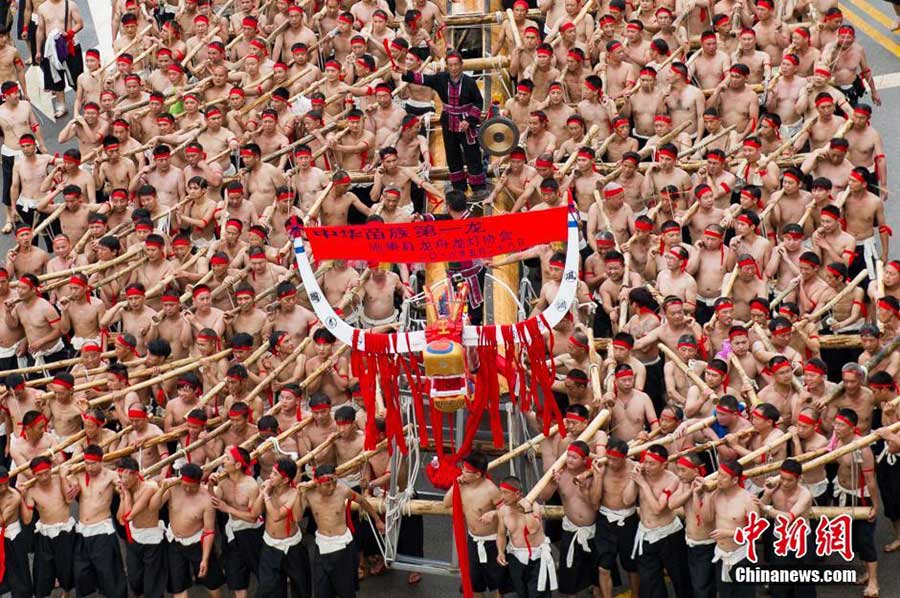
(191, 532)
(685, 102)
(660, 538)
(234, 494)
(521, 543)
(144, 553)
(97, 560)
(850, 66)
(617, 522)
(261, 178)
(631, 408)
(862, 209)
(336, 381)
(321, 428)
(42, 323)
(806, 438)
(711, 66)
(865, 145)
(855, 485)
(336, 558)
(538, 138)
(577, 563)
(54, 541)
(133, 314)
(25, 257)
(143, 430)
(737, 103)
(28, 173)
(16, 119)
(644, 103)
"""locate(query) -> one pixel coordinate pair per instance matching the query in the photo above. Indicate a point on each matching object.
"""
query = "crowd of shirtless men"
(745, 168)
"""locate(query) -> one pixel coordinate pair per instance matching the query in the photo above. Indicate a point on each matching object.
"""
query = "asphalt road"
(872, 21)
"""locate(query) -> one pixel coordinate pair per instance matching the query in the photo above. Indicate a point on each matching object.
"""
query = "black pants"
(184, 568)
(462, 154)
(7, 162)
(17, 579)
(733, 589)
(702, 571)
(146, 569)
(241, 557)
(98, 565)
(655, 383)
(276, 568)
(335, 573)
(525, 578)
(667, 554)
(53, 563)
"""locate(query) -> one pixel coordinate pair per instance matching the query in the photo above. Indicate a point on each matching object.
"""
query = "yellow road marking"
(874, 13)
(858, 22)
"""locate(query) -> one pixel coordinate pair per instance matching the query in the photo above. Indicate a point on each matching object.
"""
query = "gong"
(499, 136)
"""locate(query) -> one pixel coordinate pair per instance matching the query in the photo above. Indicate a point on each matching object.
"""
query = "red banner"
(439, 240)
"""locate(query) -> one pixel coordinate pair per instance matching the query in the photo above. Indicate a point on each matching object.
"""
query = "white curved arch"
(415, 341)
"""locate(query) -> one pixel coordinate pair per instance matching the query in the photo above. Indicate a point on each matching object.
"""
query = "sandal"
(414, 579)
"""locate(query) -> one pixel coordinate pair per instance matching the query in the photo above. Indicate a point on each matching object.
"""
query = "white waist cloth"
(8, 151)
(618, 516)
(652, 535)
(12, 530)
(583, 536)
(39, 355)
(692, 543)
(101, 528)
(351, 480)
(729, 559)
(278, 449)
(192, 539)
(869, 254)
(846, 496)
(368, 322)
(283, 544)
(329, 544)
(26, 203)
(886, 455)
(547, 572)
(78, 342)
(479, 545)
(9, 351)
(54, 529)
(236, 525)
(819, 488)
(50, 54)
(149, 535)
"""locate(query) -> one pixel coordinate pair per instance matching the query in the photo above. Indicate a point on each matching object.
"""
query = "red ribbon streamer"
(459, 538)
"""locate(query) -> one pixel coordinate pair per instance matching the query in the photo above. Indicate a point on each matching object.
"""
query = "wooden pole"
(530, 444)
(870, 365)
(823, 309)
(736, 362)
(184, 451)
(675, 358)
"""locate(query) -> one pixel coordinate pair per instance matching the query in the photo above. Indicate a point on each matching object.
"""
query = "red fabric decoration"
(459, 537)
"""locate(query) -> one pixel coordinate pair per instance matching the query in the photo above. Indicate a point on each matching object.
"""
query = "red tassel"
(487, 383)
(541, 376)
(459, 537)
(411, 369)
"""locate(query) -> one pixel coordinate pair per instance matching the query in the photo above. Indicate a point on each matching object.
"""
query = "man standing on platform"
(460, 119)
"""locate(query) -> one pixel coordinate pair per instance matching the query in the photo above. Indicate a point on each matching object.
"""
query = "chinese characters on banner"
(832, 536)
(440, 240)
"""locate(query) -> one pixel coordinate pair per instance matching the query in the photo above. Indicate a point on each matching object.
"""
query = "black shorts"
(146, 568)
(613, 540)
(490, 575)
(97, 565)
(334, 574)
(241, 558)
(525, 578)
(17, 579)
(53, 562)
(583, 572)
(184, 568)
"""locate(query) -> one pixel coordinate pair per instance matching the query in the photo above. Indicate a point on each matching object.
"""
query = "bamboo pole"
(51, 366)
(67, 442)
(156, 379)
(311, 455)
(588, 433)
(858, 443)
(530, 444)
(823, 309)
(138, 37)
(691, 429)
(184, 451)
(736, 362)
(437, 508)
(706, 141)
(674, 357)
(253, 358)
(870, 365)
